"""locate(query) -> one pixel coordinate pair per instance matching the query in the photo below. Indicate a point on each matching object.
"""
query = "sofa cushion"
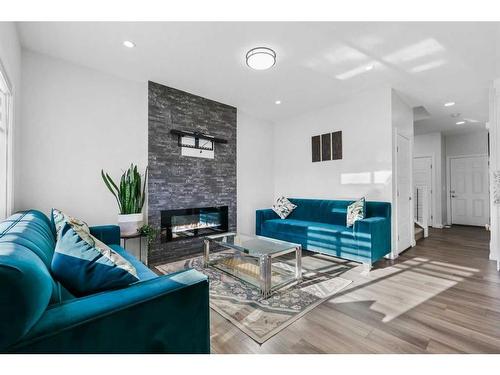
(332, 239)
(323, 211)
(143, 272)
(25, 291)
(59, 293)
(311, 229)
(32, 230)
(85, 265)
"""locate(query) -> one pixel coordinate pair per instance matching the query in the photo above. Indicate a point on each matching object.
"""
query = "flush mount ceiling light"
(277, 102)
(129, 44)
(460, 122)
(449, 104)
(261, 58)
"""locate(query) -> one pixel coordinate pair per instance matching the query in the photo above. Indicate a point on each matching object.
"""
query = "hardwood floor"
(442, 296)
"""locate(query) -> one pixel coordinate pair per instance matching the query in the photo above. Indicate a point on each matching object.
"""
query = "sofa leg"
(366, 268)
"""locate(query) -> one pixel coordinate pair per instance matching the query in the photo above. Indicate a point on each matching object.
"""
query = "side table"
(125, 238)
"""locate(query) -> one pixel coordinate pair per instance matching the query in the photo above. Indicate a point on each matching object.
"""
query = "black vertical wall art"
(337, 145)
(316, 148)
(326, 147)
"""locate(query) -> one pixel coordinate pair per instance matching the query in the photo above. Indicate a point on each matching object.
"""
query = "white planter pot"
(129, 224)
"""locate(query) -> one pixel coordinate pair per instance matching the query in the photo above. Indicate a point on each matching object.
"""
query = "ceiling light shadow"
(357, 71)
(418, 50)
(428, 66)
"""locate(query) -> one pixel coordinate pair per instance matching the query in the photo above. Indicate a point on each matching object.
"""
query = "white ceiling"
(317, 63)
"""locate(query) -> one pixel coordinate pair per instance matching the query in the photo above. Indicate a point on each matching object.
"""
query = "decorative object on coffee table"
(251, 260)
(130, 198)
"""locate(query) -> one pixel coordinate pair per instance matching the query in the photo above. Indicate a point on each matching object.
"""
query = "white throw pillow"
(283, 207)
(355, 211)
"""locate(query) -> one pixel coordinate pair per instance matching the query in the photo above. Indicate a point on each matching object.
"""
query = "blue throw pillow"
(84, 265)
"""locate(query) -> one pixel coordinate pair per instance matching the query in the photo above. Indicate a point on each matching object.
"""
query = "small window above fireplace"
(193, 222)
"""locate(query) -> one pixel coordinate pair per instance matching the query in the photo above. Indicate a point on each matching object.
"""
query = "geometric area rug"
(261, 319)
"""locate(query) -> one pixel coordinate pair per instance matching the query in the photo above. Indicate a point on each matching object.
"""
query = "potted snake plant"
(130, 194)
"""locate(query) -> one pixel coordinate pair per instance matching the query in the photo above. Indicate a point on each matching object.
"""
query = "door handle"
(453, 196)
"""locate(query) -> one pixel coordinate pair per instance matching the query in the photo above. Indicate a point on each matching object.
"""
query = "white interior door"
(469, 191)
(422, 176)
(403, 185)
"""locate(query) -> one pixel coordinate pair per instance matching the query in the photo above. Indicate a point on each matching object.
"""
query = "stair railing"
(421, 208)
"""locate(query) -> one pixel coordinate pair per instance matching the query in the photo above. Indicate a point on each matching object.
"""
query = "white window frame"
(9, 104)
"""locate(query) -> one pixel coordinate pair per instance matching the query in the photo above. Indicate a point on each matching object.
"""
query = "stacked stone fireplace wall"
(178, 182)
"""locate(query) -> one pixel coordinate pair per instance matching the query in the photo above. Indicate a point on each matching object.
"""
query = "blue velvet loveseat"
(320, 226)
(158, 314)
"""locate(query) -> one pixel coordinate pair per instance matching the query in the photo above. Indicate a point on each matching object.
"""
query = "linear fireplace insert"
(193, 222)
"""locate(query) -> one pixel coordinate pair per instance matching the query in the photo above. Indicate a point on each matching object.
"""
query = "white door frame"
(395, 250)
(432, 221)
(448, 181)
(494, 128)
(10, 140)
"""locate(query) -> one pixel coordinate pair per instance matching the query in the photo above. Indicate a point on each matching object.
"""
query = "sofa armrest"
(168, 314)
(261, 216)
(373, 236)
(109, 234)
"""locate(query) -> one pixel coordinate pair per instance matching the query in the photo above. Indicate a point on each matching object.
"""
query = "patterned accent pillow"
(83, 264)
(355, 211)
(283, 207)
(59, 218)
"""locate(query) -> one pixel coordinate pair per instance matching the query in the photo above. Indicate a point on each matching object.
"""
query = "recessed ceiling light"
(261, 58)
(449, 104)
(129, 44)
(460, 122)
(369, 67)
(277, 102)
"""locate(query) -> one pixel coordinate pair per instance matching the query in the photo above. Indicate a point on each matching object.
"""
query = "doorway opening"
(469, 199)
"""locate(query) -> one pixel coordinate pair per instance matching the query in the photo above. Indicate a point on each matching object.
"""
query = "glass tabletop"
(252, 245)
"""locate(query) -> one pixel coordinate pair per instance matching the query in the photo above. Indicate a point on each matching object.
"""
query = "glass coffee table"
(259, 261)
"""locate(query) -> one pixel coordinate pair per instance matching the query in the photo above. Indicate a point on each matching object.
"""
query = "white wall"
(475, 143)
(366, 166)
(402, 124)
(402, 115)
(255, 186)
(431, 144)
(10, 57)
(75, 122)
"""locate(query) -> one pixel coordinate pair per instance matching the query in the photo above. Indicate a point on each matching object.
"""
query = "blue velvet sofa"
(320, 226)
(158, 314)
